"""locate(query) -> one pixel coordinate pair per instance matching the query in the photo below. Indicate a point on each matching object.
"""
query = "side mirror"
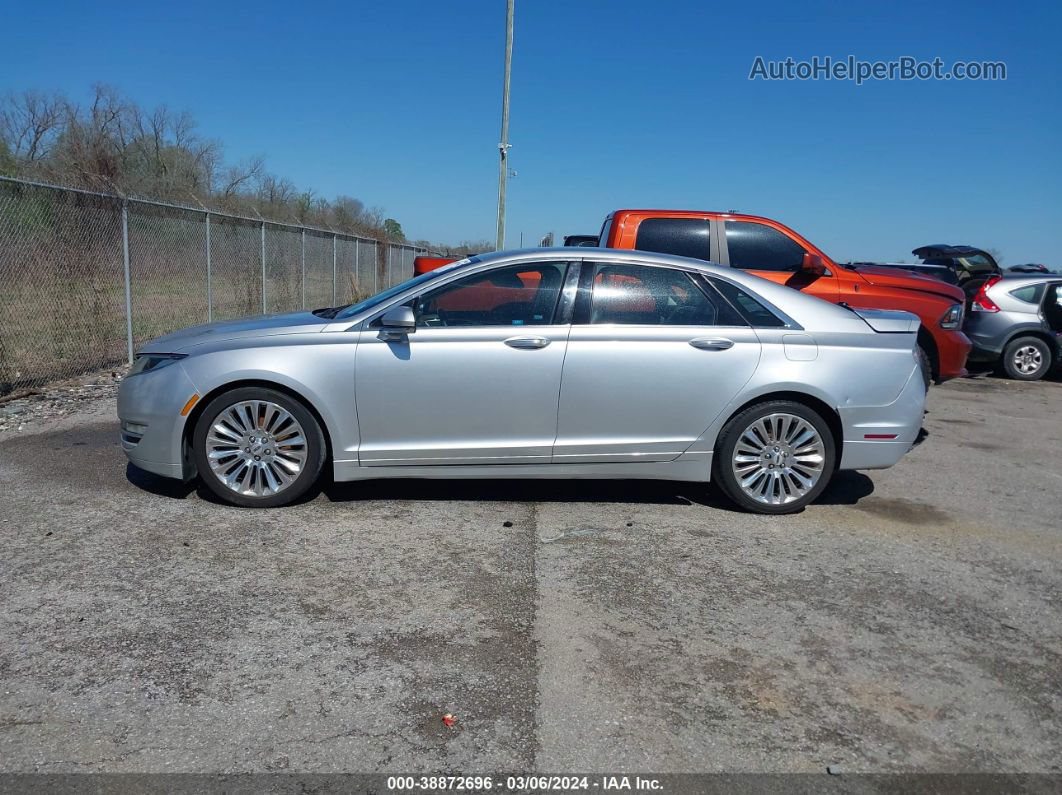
(398, 321)
(812, 265)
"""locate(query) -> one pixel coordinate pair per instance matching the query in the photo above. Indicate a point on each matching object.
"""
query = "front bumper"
(152, 428)
(901, 419)
(953, 346)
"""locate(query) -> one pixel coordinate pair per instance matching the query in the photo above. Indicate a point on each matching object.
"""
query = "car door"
(654, 355)
(476, 382)
(1051, 308)
(771, 254)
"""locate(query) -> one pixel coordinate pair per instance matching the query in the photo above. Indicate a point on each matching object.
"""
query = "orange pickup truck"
(774, 251)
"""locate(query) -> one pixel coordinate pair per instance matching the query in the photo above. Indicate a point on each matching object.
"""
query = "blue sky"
(614, 104)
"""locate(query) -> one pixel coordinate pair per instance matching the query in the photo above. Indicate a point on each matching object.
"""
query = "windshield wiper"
(329, 312)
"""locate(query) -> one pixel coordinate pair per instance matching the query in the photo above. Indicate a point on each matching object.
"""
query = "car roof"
(1011, 280)
(692, 214)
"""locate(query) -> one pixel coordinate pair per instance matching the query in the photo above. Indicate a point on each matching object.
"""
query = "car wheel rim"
(778, 459)
(1028, 359)
(256, 448)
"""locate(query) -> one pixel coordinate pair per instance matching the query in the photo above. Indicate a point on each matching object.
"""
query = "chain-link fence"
(86, 277)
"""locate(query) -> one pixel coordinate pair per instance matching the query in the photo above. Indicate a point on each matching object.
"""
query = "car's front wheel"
(774, 457)
(1027, 359)
(258, 447)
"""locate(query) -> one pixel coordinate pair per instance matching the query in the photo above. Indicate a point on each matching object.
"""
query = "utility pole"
(503, 146)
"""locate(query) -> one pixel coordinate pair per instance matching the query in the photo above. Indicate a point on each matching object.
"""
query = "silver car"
(549, 363)
(1016, 324)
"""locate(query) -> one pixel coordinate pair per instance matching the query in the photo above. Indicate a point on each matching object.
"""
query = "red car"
(774, 251)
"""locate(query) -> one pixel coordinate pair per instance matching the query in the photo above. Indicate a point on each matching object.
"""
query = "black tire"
(722, 470)
(926, 364)
(1021, 354)
(315, 447)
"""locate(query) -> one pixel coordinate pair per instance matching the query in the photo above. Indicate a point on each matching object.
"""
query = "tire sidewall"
(315, 447)
(1020, 342)
(723, 472)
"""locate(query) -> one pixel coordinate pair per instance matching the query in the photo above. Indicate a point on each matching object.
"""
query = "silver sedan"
(550, 363)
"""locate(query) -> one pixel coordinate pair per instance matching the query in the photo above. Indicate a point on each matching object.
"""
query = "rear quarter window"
(755, 313)
(683, 237)
(1030, 293)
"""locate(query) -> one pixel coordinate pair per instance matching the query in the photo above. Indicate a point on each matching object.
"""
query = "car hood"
(908, 280)
(264, 326)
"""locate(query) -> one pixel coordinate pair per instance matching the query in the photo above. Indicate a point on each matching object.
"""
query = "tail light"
(981, 302)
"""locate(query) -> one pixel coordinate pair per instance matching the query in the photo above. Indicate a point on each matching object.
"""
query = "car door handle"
(712, 343)
(528, 343)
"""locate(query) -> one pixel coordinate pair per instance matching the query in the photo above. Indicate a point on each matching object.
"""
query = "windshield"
(379, 298)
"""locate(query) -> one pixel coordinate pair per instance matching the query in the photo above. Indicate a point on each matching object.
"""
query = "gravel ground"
(24, 409)
(910, 621)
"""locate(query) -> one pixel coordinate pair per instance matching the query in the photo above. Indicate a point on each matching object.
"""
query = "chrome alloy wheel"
(1028, 359)
(256, 448)
(778, 459)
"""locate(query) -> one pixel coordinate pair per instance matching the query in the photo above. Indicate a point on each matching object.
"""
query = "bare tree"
(112, 143)
(237, 178)
(30, 122)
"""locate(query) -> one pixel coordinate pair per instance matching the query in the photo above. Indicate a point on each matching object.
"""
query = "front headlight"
(145, 362)
(953, 317)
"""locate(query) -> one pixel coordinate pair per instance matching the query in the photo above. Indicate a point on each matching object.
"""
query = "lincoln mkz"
(551, 363)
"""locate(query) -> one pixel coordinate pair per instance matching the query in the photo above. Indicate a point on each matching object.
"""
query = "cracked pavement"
(910, 621)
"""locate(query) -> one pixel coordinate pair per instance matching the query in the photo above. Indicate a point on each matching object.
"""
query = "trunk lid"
(972, 266)
(889, 321)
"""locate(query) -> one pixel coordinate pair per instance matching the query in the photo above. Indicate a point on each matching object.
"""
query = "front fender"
(319, 368)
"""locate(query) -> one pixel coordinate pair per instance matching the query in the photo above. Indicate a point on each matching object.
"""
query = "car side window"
(753, 311)
(755, 246)
(683, 237)
(647, 296)
(516, 295)
(1030, 294)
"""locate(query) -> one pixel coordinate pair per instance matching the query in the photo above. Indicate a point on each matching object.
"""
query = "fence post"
(128, 284)
(302, 260)
(334, 302)
(376, 269)
(210, 281)
(263, 270)
(357, 265)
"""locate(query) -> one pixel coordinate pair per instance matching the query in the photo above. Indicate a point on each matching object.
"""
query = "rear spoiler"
(889, 321)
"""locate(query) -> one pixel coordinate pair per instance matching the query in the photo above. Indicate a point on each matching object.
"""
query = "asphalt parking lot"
(910, 621)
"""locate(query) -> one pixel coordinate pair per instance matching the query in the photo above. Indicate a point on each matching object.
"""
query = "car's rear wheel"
(1027, 359)
(258, 447)
(774, 457)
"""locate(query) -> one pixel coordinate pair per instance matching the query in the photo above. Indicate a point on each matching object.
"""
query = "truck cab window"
(683, 237)
(754, 246)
